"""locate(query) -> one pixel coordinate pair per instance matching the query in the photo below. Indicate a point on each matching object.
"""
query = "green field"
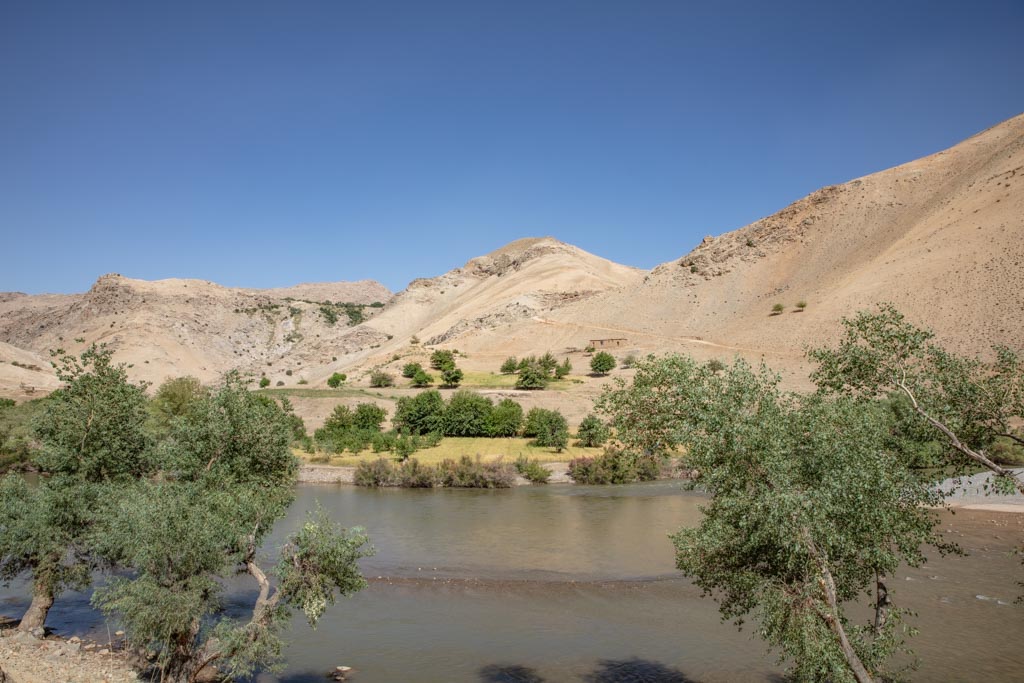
(452, 447)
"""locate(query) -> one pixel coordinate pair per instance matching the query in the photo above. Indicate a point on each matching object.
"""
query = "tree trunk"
(882, 605)
(831, 618)
(35, 617)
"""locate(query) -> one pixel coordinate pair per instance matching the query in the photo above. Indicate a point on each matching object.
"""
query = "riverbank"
(336, 474)
(973, 493)
(26, 659)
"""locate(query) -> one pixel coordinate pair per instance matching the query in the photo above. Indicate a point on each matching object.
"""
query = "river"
(577, 583)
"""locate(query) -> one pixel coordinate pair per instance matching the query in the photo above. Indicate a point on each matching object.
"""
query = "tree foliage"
(602, 363)
(547, 427)
(592, 432)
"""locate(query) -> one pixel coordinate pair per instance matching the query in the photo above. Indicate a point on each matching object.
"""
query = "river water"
(577, 583)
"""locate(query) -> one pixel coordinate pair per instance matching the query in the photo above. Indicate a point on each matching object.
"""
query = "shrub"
(409, 370)
(414, 340)
(777, 309)
(379, 378)
(451, 376)
(368, 416)
(336, 380)
(693, 268)
(548, 428)
(1004, 451)
(801, 305)
(614, 466)
(467, 414)
(589, 349)
(602, 363)
(563, 370)
(629, 361)
(475, 474)
(531, 376)
(750, 242)
(375, 473)
(422, 378)
(715, 365)
(441, 359)
(264, 382)
(547, 363)
(303, 381)
(509, 366)
(413, 475)
(280, 383)
(288, 372)
(532, 470)
(592, 432)
(506, 419)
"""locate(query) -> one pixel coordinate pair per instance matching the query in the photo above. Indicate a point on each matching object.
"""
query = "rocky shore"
(27, 659)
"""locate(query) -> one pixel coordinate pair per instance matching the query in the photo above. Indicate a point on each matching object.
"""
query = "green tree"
(968, 403)
(777, 309)
(336, 380)
(531, 376)
(808, 509)
(419, 414)
(93, 438)
(175, 398)
(563, 370)
(548, 428)
(368, 416)
(506, 419)
(442, 358)
(509, 366)
(467, 414)
(264, 382)
(592, 432)
(602, 363)
(409, 370)
(422, 378)
(451, 376)
(548, 363)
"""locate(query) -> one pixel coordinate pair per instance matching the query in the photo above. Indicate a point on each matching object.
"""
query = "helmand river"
(577, 583)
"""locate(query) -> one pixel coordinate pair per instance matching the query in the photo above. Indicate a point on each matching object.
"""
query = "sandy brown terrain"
(942, 237)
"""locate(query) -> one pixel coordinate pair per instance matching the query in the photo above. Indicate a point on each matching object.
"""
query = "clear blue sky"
(267, 143)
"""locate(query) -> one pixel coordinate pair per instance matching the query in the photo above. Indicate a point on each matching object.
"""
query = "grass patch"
(341, 392)
(454, 447)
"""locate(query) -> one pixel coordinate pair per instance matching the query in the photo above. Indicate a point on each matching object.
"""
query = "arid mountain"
(941, 237)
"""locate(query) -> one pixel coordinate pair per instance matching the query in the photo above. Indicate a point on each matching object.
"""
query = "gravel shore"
(26, 659)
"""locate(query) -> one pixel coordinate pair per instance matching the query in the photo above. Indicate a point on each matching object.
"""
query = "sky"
(261, 144)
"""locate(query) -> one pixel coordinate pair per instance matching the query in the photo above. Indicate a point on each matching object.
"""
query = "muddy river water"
(577, 583)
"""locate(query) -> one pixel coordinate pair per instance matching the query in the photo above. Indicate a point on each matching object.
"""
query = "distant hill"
(941, 237)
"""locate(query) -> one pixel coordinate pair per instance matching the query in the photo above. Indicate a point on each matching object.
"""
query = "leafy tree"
(336, 380)
(509, 366)
(451, 376)
(379, 379)
(506, 419)
(467, 414)
(777, 309)
(442, 358)
(548, 428)
(967, 402)
(175, 398)
(264, 382)
(808, 509)
(93, 437)
(548, 363)
(531, 376)
(602, 363)
(592, 432)
(419, 414)
(801, 305)
(368, 416)
(7, 403)
(409, 370)
(233, 478)
(422, 378)
(715, 365)
(563, 370)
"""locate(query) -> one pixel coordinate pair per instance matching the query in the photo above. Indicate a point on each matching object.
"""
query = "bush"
(589, 349)
(422, 379)
(280, 383)
(693, 268)
(451, 376)
(602, 363)
(264, 382)
(563, 370)
(466, 473)
(419, 414)
(375, 473)
(801, 305)
(629, 361)
(532, 470)
(409, 370)
(441, 359)
(467, 414)
(349, 430)
(777, 309)
(715, 365)
(336, 380)
(475, 474)
(506, 419)
(548, 428)
(288, 372)
(592, 432)
(413, 475)
(531, 376)
(614, 466)
(303, 381)
(379, 378)
(509, 366)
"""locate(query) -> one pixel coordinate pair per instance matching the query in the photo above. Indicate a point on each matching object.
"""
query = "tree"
(967, 402)
(419, 414)
(467, 414)
(602, 363)
(336, 380)
(592, 432)
(509, 366)
(547, 427)
(264, 382)
(93, 439)
(531, 376)
(422, 378)
(563, 370)
(506, 419)
(451, 376)
(548, 363)
(442, 358)
(409, 370)
(379, 379)
(368, 416)
(175, 398)
(777, 309)
(808, 508)
(234, 476)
